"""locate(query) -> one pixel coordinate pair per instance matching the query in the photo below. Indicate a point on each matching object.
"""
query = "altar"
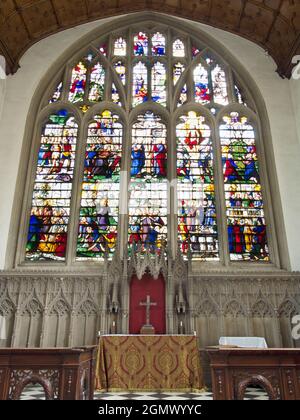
(148, 363)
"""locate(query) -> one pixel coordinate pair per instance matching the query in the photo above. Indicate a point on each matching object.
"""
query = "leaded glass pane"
(99, 212)
(97, 82)
(49, 219)
(78, 83)
(158, 44)
(148, 201)
(140, 84)
(197, 221)
(244, 202)
(141, 44)
(219, 86)
(120, 47)
(178, 48)
(159, 80)
(202, 91)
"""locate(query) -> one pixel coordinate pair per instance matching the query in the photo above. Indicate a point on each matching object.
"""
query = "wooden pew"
(275, 370)
(64, 373)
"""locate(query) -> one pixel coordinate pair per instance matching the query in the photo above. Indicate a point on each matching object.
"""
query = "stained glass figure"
(49, 217)
(148, 188)
(209, 58)
(97, 82)
(84, 108)
(183, 96)
(195, 51)
(178, 48)
(202, 91)
(219, 85)
(121, 71)
(98, 224)
(56, 94)
(240, 97)
(159, 80)
(197, 224)
(140, 84)
(141, 44)
(90, 56)
(115, 96)
(158, 44)
(120, 47)
(178, 69)
(103, 49)
(78, 83)
(244, 202)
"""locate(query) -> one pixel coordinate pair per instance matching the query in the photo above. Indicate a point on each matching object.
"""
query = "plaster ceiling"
(273, 24)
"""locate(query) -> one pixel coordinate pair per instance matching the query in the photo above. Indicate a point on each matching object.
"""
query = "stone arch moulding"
(272, 200)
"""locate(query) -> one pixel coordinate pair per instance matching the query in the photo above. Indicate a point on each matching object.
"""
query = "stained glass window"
(121, 71)
(103, 49)
(98, 224)
(120, 47)
(158, 44)
(219, 85)
(202, 91)
(178, 48)
(195, 51)
(243, 193)
(148, 189)
(239, 95)
(156, 66)
(183, 96)
(178, 69)
(197, 220)
(49, 219)
(159, 80)
(141, 44)
(56, 94)
(97, 81)
(90, 56)
(115, 96)
(78, 83)
(140, 84)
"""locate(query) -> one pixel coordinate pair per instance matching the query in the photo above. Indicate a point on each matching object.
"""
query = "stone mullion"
(220, 197)
(76, 195)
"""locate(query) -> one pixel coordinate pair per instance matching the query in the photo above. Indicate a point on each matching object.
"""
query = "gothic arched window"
(149, 138)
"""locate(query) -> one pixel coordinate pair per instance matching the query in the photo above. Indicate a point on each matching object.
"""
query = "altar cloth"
(149, 363)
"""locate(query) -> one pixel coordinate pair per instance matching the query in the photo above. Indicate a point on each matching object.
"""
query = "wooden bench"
(275, 370)
(64, 373)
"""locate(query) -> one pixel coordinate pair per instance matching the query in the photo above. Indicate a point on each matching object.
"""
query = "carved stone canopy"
(274, 25)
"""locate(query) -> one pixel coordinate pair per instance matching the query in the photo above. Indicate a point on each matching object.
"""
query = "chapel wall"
(21, 107)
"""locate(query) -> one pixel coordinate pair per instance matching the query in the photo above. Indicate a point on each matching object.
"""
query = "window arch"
(162, 113)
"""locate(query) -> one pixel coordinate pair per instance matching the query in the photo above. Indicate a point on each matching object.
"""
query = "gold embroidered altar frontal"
(149, 363)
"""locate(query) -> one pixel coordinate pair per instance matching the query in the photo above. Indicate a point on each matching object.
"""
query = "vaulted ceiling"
(273, 24)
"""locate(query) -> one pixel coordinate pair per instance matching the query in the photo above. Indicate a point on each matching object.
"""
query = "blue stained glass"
(49, 219)
(197, 223)
(121, 71)
(101, 187)
(78, 83)
(148, 188)
(202, 91)
(158, 44)
(141, 44)
(140, 84)
(244, 202)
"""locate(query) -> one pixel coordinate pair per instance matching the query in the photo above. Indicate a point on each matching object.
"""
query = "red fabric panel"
(139, 289)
